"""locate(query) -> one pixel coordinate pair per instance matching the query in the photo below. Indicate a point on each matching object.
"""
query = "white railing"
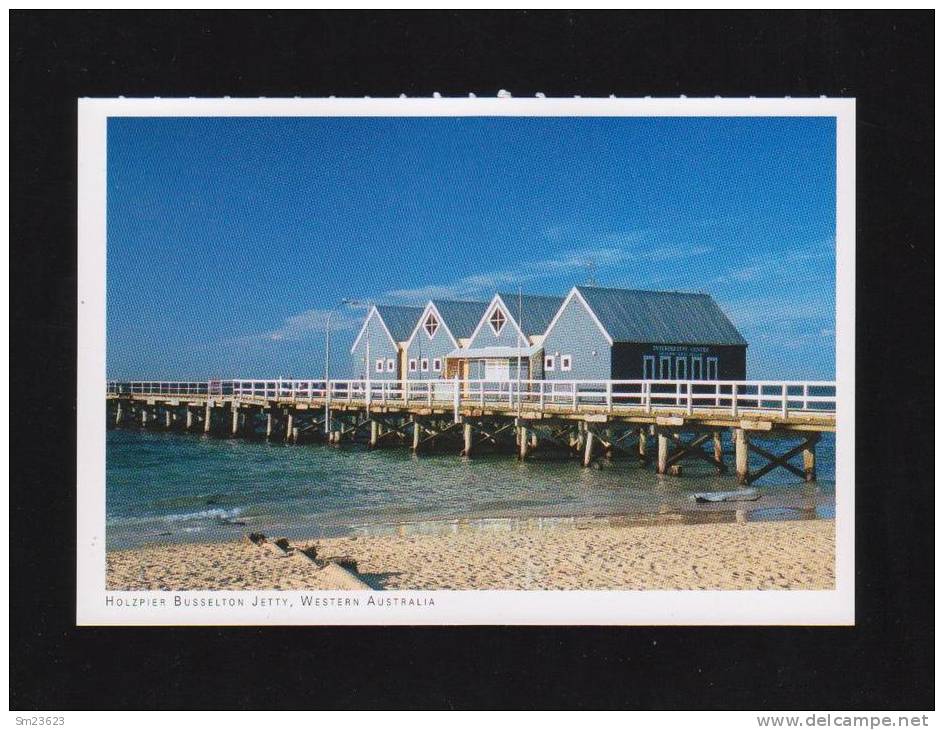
(733, 397)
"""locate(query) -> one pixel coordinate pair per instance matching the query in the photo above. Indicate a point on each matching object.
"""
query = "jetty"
(665, 422)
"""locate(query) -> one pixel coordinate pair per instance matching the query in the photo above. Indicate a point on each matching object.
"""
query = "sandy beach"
(755, 555)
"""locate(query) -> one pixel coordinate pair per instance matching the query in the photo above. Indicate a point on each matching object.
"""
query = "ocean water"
(172, 487)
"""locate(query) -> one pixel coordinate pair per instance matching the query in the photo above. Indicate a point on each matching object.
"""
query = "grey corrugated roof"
(461, 317)
(399, 320)
(661, 317)
(536, 311)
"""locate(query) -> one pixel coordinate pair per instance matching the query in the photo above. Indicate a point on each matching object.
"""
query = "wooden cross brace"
(490, 436)
(392, 428)
(358, 425)
(773, 461)
(693, 448)
(435, 434)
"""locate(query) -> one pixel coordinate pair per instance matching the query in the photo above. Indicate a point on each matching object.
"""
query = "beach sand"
(754, 555)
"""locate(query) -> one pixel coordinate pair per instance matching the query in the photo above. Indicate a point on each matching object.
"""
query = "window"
(497, 321)
(412, 364)
(437, 365)
(390, 365)
(549, 362)
(665, 367)
(379, 365)
(649, 367)
(712, 368)
(431, 325)
(565, 362)
(696, 367)
(424, 364)
(681, 368)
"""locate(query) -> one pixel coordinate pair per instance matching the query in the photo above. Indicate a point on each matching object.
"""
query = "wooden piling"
(235, 426)
(167, 418)
(663, 456)
(118, 413)
(534, 439)
(189, 425)
(719, 452)
(467, 439)
(643, 443)
(208, 417)
(809, 461)
(144, 416)
(289, 425)
(416, 436)
(270, 423)
(374, 433)
(588, 448)
(741, 456)
(523, 442)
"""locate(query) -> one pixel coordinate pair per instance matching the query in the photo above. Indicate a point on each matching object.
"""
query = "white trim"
(649, 360)
(391, 365)
(701, 367)
(662, 359)
(709, 362)
(435, 329)
(576, 293)
(373, 310)
(484, 318)
(442, 323)
(424, 364)
(379, 364)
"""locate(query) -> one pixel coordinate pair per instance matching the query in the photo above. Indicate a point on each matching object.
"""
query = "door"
(496, 370)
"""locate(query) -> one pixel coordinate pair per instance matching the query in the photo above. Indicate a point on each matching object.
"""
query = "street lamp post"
(365, 304)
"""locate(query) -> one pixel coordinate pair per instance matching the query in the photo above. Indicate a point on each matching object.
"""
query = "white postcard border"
(96, 606)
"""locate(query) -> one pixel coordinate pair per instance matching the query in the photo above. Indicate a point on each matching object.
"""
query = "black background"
(884, 60)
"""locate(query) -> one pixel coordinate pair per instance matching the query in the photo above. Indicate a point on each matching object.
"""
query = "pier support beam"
(168, 418)
(663, 455)
(416, 436)
(643, 444)
(289, 425)
(234, 429)
(189, 425)
(524, 440)
(467, 439)
(741, 446)
(719, 452)
(208, 418)
(588, 448)
(118, 413)
(374, 434)
(270, 422)
(534, 439)
(809, 461)
(144, 417)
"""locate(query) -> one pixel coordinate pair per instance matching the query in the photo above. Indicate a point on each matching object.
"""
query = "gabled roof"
(453, 315)
(399, 320)
(392, 326)
(536, 311)
(461, 317)
(670, 318)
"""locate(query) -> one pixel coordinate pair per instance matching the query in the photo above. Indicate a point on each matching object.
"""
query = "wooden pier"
(585, 420)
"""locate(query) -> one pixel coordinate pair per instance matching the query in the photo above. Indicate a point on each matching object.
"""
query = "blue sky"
(230, 239)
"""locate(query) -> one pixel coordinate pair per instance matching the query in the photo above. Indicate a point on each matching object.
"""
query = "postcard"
(502, 360)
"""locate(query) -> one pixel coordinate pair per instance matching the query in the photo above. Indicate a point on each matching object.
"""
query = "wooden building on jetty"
(599, 374)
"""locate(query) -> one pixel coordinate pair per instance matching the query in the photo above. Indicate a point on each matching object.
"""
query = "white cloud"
(485, 284)
(306, 324)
